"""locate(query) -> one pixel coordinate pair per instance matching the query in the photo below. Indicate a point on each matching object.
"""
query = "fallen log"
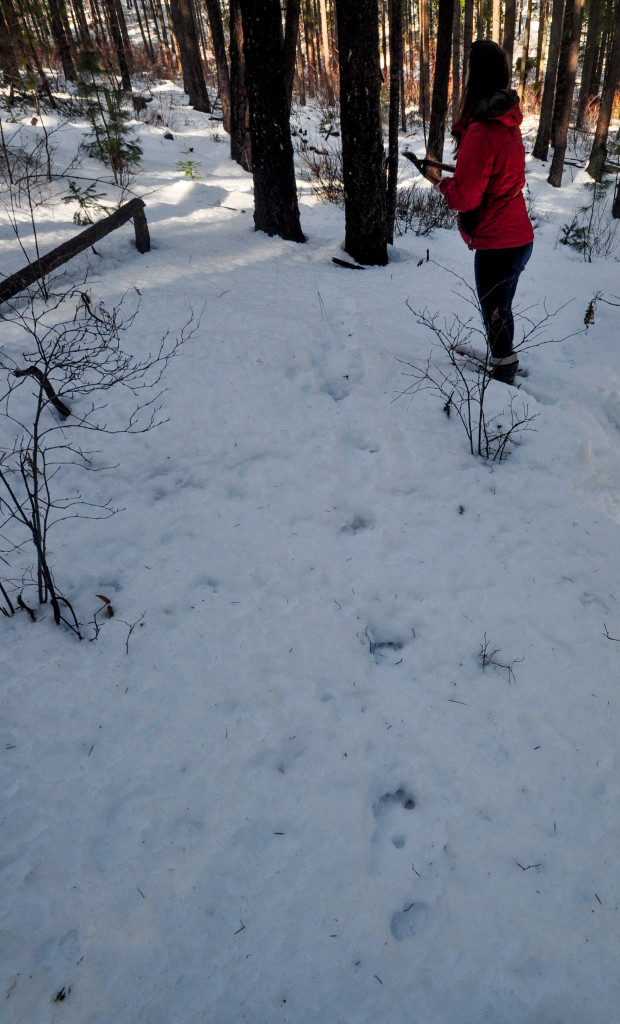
(133, 210)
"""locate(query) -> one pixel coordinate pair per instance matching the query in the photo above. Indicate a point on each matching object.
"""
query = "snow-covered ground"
(292, 792)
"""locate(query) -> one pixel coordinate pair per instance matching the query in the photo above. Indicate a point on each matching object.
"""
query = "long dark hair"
(487, 72)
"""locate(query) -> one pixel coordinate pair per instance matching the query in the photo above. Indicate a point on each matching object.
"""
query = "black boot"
(505, 370)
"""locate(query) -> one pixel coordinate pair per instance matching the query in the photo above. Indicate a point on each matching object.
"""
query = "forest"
(385, 64)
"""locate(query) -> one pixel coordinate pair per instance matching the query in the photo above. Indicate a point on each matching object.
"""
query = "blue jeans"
(497, 273)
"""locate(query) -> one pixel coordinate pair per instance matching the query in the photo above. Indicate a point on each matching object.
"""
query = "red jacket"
(486, 189)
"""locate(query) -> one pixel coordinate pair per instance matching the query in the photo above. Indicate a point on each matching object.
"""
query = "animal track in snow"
(391, 837)
(408, 921)
(400, 796)
(391, 812)
(357, 523)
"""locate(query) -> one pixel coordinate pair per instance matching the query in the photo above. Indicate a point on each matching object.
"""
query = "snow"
(292, 792)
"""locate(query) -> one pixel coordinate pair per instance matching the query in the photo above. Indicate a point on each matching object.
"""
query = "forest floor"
(347, 752)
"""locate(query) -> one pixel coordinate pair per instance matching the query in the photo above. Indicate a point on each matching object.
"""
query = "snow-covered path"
(292, 793)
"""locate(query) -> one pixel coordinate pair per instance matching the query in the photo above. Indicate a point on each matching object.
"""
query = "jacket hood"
(503, 105)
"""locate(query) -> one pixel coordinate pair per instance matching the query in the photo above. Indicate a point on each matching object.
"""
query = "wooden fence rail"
(133, 210)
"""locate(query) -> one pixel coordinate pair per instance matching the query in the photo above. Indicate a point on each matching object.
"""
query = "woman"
(486, 190)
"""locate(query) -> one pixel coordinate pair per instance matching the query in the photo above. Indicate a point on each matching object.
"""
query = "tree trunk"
(525, 51)
(456, 59)
(291, 39)
(276, 209)
(592, 38)
(310, 54)
(425, 77)
(496, 21)
(542, 32)
(568, 31)
(214, 14)
(329, 89)
(184, 26)
(468, 35)
(395, 10)
(441, 81)
(610, 85)
(541, 147)
(240, 145)
(62, 40)
(117, 41)
(510, 21)
(573, 15)
(363, 158)
(9, 59)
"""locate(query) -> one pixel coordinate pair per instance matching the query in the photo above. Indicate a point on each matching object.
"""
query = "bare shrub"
(53, 396)
(421, 210)
(322, 167)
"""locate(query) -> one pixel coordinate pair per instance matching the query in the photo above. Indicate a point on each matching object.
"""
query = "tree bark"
(363, 158)
(117, 41)
(240, 144)
(510, 21)
(543, 13)
(425, 76)
(496, 21)
(610, 85)
(276, 210)
(573, 14)
(9, 59)
(541, 147)
(468, 35)
(525, 50)
(291, 39)
(456, 59)
(592, 38)
(184, 26)
(327, 62)
(568, 32)
(395, 14)
(214, 14)
(62, 40)
(441, 80)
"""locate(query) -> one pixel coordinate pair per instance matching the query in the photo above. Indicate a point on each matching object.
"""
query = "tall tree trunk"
(573, 15)
(276, 210)
(525, 52)
(240, 145)
(9, 59)
(568, 32)
(439, 106)
(214, 14)
(610, 85)
(309, 41)
(592, 38)
(62, 40)
(456, 59)
(510, 21)
(396, 65)
(301, 63)
(468, 35)
(425, 77)
(117, 40)
(184, 26)
(496, 21)
(543, 12)
(363, 158)
(327, 62)
(291, 39)
(541, 147)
